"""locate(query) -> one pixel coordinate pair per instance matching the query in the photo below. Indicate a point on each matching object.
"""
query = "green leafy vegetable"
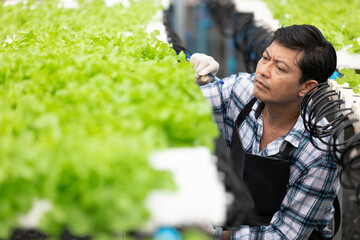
(351, 78)
(86, 95)
(338, 20)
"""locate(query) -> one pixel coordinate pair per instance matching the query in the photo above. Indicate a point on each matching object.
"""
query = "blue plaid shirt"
(313, 182)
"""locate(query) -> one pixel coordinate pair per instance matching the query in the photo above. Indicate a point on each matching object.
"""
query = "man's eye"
(280, 69)
(265, 58)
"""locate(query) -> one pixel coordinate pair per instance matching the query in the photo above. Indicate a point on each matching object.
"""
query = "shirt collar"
(258, 108)
(295, 133)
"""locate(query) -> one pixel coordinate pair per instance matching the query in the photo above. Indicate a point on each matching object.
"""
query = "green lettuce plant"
(338, 20)
(86, 95)
(350, 77)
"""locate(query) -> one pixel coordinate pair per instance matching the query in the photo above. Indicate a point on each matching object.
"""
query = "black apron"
(263, 179)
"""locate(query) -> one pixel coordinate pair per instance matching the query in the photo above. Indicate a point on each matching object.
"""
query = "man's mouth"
(260, 84)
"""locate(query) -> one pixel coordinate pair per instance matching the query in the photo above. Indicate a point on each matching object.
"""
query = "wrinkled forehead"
(291, 56)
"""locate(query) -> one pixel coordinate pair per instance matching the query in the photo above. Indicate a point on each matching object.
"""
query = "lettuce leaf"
(86, 95)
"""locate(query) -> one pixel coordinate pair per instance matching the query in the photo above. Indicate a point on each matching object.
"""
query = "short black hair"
(319, 56)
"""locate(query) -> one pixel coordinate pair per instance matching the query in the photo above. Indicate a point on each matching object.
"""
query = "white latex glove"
(207, 228)
(203, 65)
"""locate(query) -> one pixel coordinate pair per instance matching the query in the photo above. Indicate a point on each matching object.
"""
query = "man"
(292, 183)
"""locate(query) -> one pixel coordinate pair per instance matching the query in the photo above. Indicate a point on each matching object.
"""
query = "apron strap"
(288, 149)
(244, 112)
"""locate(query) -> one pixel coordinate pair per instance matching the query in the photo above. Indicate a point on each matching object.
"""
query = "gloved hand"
(207, 228)
(203, 65)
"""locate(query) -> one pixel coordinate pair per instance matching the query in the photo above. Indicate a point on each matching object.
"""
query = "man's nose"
(264, 69)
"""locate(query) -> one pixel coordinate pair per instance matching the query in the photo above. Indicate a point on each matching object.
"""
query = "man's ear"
(306, 86)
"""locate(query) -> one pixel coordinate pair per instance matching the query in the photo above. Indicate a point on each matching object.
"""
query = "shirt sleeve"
(306, 206)
(228, 99)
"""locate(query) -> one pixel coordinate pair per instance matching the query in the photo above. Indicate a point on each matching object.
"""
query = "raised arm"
(203, 65)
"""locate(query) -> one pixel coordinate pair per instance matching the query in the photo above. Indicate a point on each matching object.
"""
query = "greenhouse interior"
(155, 119)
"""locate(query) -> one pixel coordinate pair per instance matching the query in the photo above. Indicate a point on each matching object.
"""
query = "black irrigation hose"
(223, 13)
(338, 144)
(249, 40)
(348, 157)
(172, 37)
(253, 42)
(319, 103)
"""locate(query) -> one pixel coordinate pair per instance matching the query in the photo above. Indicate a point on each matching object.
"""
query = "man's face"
(277, 76)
